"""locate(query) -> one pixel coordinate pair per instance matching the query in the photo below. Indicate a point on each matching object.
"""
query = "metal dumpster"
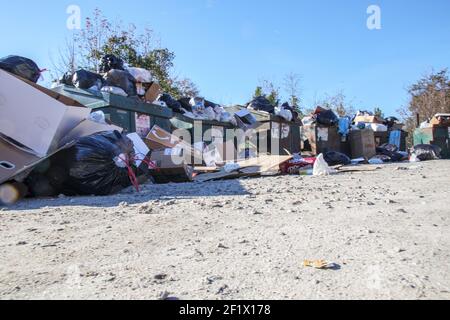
(132, 114)
(274, 127)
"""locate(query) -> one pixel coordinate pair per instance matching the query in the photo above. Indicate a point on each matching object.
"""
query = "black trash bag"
(110, 62)
(390, 122)
(425, 152)
(293, 110)
(21, 67)
(261, 104)
(327, 118)
(391, 151)
(84, 79)
(170, 102)
(185, 104)
(67, 79)
(121, 79)
(91, 164)
(334, 158)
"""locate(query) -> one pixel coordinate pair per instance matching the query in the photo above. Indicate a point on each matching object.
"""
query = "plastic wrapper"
(121, 79)
(21, 67)
(110, 62)
(84, 79)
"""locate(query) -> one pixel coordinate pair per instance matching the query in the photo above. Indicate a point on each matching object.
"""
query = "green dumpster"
(275, 127)
(132, 114)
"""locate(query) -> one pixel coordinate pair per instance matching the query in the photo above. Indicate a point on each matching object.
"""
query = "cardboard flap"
(34, 118)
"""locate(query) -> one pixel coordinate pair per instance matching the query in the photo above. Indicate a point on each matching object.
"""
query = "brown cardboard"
(16, 160)
(167, 170)
(362, 143)
(32, 117)
(153, 92)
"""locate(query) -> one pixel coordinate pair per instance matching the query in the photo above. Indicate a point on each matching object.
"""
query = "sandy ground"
(388, 232)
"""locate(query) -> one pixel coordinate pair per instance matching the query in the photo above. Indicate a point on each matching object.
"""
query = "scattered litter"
(320, 264)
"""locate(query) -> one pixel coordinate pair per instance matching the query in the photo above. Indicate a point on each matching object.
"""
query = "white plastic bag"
(321, 167)
(98, 116)
(115, 90)
(141, 75)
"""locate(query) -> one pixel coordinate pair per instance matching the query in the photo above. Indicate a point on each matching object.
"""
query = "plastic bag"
(425, 152)
(95, 165)
(377, 127)
(21, 67)
(121, 79)
(210, 114)
(84, 79)
(98, 116)
(391, 151)
(141, 75)
(110, 62)
(334, 158)
(197, 104)
(67, 79)
(170, 102)
(114, 90)
(261, 104)
(327, 118)
(344, 126)
(321, 167)
(283, 113)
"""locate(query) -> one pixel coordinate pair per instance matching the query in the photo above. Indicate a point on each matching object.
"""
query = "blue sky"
(228, 46)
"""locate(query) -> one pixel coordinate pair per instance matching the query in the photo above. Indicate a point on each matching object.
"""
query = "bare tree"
(339, 104)
(66, 60)
(291, 85)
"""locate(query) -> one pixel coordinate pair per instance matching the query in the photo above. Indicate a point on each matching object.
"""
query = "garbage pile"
(51, 144)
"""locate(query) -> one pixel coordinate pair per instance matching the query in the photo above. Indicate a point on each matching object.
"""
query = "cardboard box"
(158, 138)
(441, 119)
(169, 170)
(35, 124)
(153, 92)
(369, 119)
(34, 119)
(362, 144)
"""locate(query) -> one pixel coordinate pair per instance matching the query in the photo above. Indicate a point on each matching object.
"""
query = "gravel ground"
(387, 233)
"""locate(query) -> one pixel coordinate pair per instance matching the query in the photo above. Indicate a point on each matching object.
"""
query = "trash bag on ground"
(170, 102)
(261, 104)
(391, 151)
(110, 62)
(425, 152)
(22, 67)
(334, 158)
(121, 79)
(327, 118)
(84, 79)
(97, 164)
